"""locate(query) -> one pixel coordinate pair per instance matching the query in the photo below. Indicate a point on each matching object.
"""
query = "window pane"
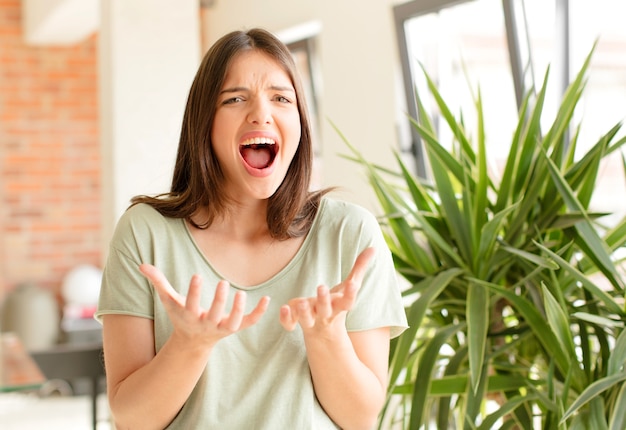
(604, 101)
(302, 52)
(461, 55)
(464, 47)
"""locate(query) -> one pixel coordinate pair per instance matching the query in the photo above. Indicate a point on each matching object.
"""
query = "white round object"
(81, 285)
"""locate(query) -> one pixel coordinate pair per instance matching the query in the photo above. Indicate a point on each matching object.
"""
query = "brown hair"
(198, 178)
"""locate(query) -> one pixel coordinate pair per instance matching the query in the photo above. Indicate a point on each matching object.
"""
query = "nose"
(260, 112)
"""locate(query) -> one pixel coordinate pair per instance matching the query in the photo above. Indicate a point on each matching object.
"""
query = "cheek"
(217, 130)
(220, 140)
(294, 136)
(292, 147)
(222, 158)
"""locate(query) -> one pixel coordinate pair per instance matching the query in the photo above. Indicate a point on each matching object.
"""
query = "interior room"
(92, 94)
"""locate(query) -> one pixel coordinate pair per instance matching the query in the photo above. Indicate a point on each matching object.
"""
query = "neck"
(243, 222)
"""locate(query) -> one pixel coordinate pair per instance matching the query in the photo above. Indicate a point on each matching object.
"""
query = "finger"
(323, 307)
(344, 301)
(357, 273)
(233, 322)
(287, 319)
(360, 265)
(166, 292)
(192, 303)
(219, 302)
(306, 318)
(256, 314)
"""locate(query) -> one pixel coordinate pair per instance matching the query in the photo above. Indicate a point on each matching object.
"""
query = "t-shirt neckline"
(294, 260)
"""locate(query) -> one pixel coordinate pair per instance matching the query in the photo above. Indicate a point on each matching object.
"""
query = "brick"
(49, 157)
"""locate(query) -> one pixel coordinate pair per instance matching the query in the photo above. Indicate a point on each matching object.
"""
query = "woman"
(239, 299)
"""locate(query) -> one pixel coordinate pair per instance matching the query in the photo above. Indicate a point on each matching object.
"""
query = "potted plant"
(515, 299)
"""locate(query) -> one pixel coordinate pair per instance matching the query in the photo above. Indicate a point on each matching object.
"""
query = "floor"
(29, 411)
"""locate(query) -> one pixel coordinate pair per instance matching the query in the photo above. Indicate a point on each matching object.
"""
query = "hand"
(190, 321)
(329, 307)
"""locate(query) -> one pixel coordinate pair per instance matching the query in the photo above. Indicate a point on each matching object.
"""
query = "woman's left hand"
(329, 307)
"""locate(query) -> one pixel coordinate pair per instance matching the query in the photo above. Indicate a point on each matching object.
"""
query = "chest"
(246, 263)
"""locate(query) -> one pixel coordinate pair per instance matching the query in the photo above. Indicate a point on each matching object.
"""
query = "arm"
(350, 376)
(349, 370)
(147, 389)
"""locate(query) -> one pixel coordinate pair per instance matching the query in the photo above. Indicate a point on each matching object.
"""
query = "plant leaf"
(593, 390)
(589, 239)
(598, 320)
(509, 406)
(618, 417)
(541, 329)
(415, 316)
(559, 322)
(425, 373)
(618, 355)
(477, 327)
(597, 292)
(533, 258)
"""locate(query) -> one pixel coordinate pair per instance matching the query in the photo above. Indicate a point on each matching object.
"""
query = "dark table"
(73, 361)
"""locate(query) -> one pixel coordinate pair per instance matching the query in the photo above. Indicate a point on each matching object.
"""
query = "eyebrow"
(272, 87)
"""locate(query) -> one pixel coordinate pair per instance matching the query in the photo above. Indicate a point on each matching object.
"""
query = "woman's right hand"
(146, 389)
(203, 326)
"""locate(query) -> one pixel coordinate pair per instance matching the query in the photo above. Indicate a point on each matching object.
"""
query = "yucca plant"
(516, 298)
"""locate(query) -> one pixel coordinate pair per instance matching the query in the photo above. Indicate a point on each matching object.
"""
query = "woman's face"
(256, 130)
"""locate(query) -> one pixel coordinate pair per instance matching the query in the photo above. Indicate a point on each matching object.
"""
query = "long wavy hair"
(198, 180)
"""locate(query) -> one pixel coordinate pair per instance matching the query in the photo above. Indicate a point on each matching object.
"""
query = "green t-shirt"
(258, 378)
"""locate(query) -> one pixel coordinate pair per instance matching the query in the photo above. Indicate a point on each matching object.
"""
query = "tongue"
(257, 158)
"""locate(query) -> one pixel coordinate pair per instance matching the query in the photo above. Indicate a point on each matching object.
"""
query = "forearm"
(348, 390)
(150, 397)
(349, 371)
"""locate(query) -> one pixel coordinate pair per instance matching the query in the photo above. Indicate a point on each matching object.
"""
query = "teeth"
(259, 141)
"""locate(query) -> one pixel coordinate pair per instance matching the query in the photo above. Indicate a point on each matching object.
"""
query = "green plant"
(516, 299)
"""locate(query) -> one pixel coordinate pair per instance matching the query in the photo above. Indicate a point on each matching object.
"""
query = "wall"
(49, 157)
(149, 53)
(50, 162)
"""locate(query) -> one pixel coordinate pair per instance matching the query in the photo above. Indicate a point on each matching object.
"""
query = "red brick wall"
(49, 157)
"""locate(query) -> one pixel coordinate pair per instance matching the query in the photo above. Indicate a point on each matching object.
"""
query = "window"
(505, 48)
(301, 42)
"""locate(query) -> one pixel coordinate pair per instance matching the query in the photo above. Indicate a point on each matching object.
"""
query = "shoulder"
(141, 222)
(139, 216)
(339, 218)
(333, 208)
(141, 210)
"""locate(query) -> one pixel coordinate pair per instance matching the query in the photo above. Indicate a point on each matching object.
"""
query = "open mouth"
(259, 152)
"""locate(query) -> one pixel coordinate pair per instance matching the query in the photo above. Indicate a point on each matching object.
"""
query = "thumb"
(357, 273)
(360, 265)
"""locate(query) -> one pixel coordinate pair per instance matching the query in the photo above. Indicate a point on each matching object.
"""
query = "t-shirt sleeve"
(124, 289)
(379, 301)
